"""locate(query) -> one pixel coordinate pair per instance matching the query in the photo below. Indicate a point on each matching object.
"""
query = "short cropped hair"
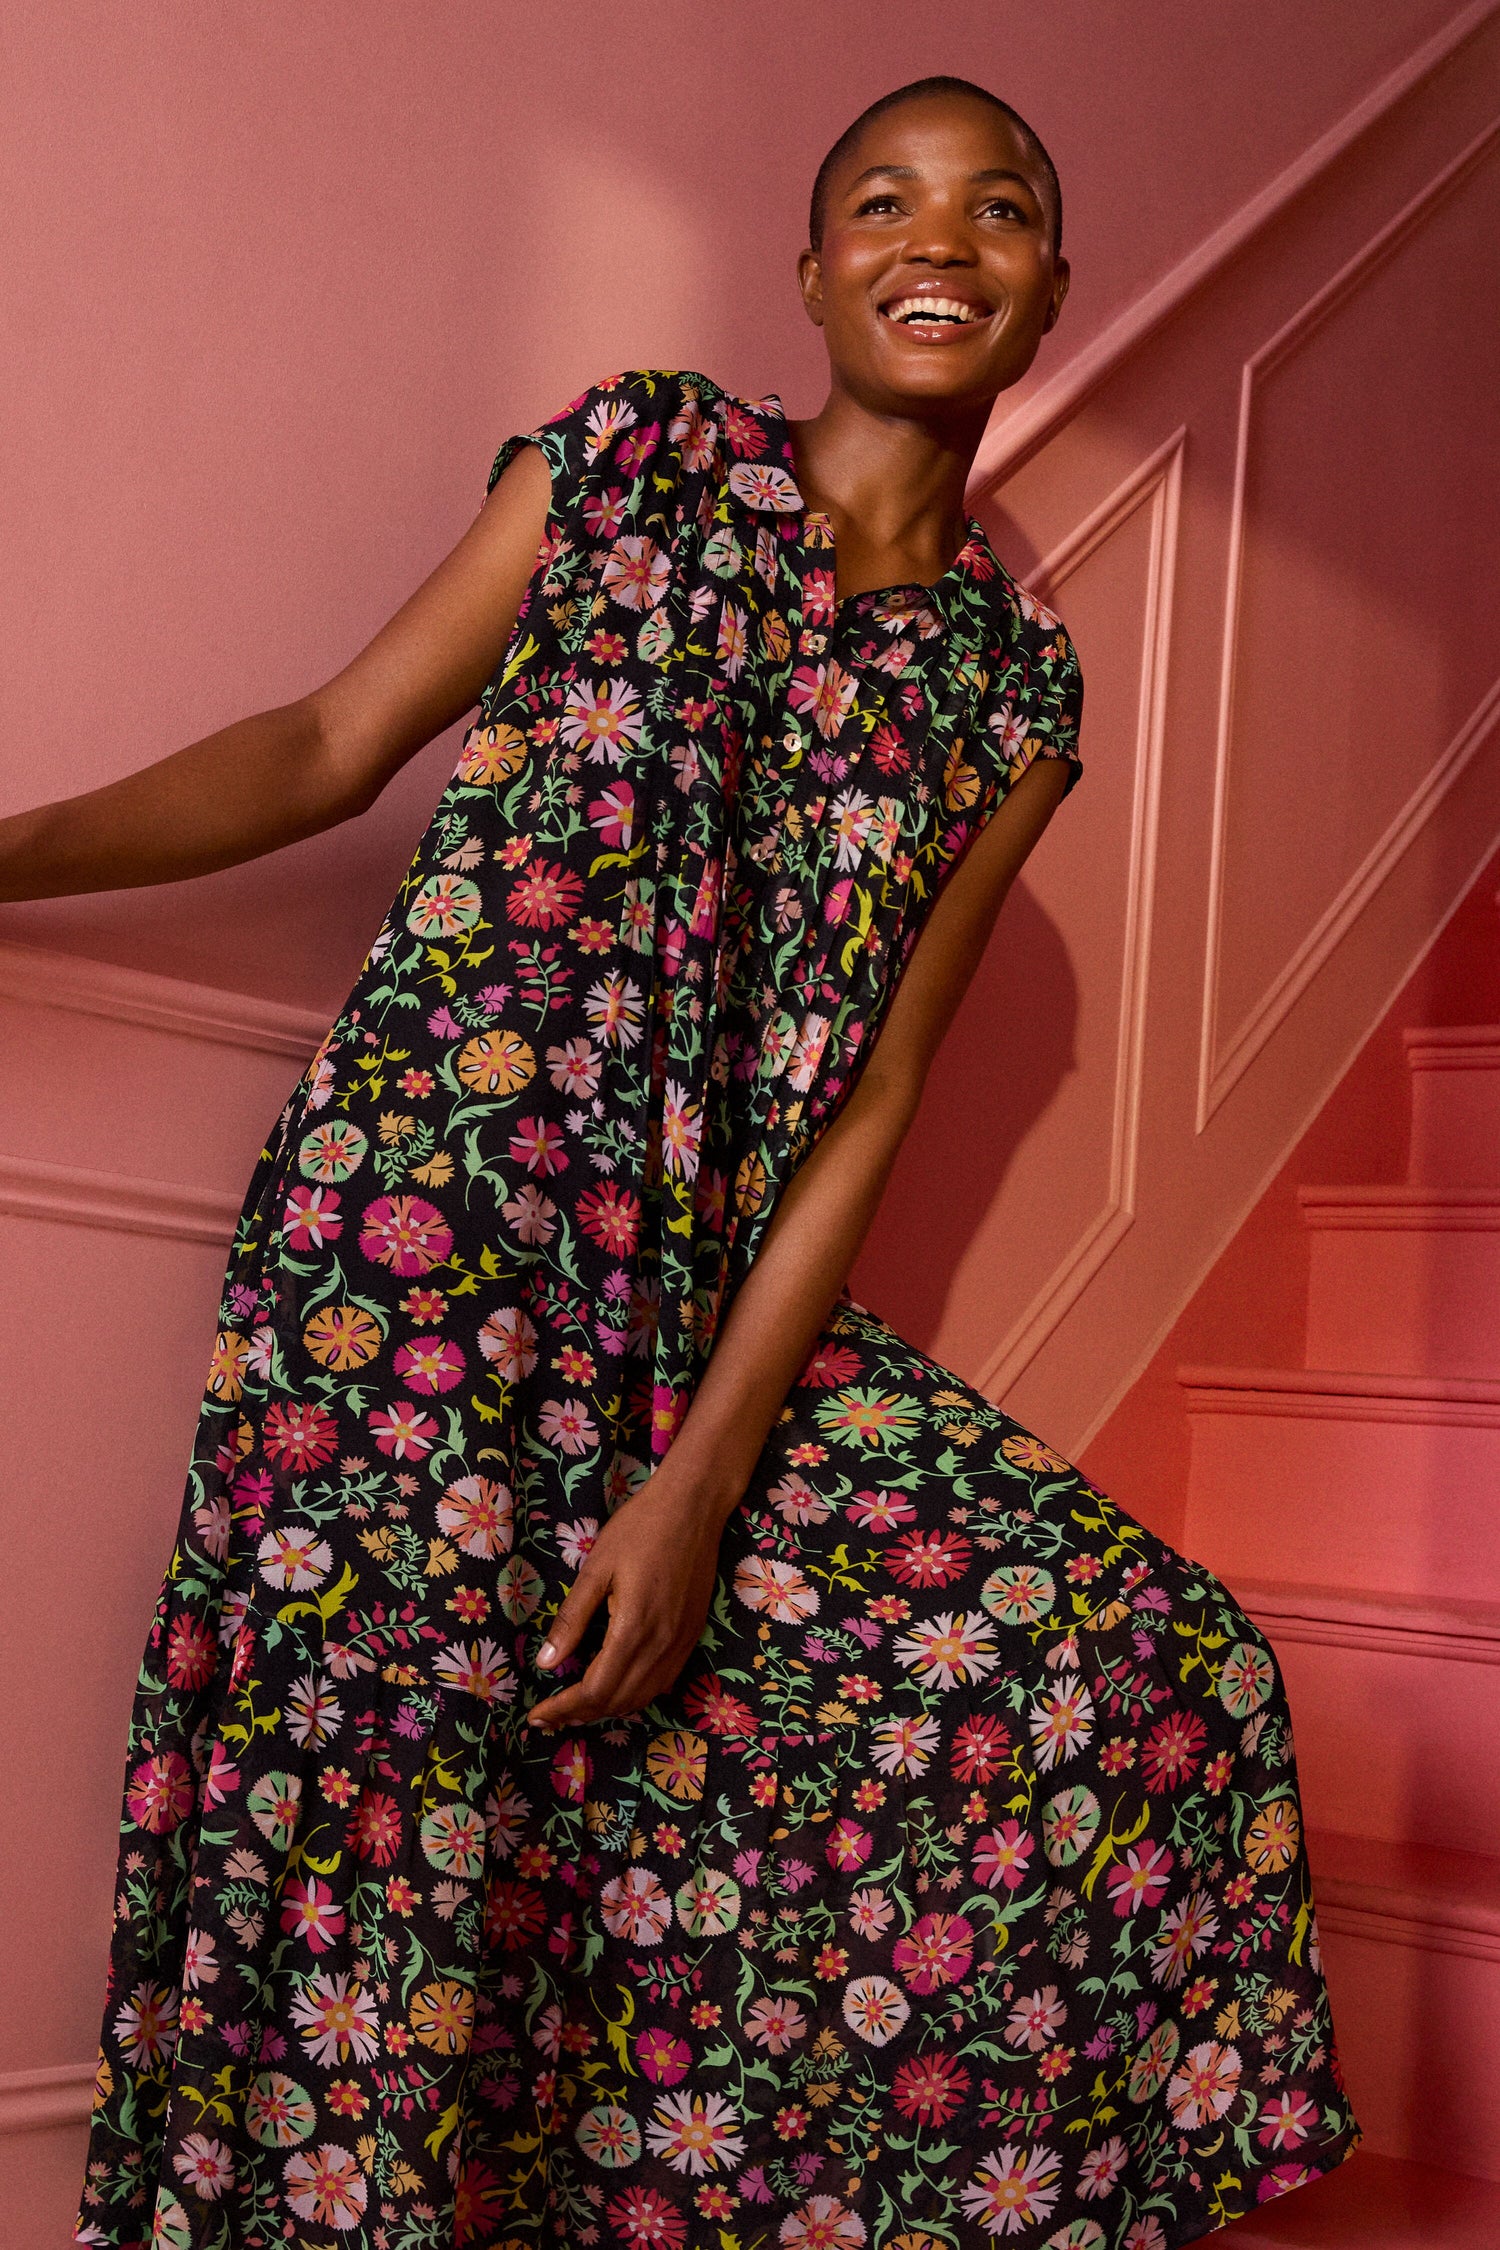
(817, 214)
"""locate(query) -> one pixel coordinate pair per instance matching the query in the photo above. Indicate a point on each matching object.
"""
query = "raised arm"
(656, 1557)
(286, 773)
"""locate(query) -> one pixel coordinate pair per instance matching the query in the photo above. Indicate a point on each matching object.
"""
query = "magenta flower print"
(937, 1950)
(312, 1217)
(403, 1430)
(429, 1364)
(1002, 1856)
(612, 816)
(1141, 1879)
(405, 1233)
(159, 1794)
(826, 692)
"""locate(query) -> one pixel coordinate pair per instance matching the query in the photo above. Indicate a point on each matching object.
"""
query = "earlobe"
(810, 283)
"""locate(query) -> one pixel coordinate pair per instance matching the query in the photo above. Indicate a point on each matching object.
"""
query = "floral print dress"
(956, 1892)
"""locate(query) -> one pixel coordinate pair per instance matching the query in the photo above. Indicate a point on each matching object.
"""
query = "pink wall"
(276, 283)
(1251, 1309)
(274, 286)
(1268, 526)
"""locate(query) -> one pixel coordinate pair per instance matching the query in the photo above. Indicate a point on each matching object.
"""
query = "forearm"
(794, 1280)
(250, 788)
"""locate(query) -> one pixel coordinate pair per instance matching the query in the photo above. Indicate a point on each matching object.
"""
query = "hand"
(656, 1559)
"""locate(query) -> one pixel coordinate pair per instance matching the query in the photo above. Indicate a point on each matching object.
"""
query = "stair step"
(1377, 2203)
(1455, 1105)
(1404, 1279)
(1374, 1683)
(1393, 1477)
(1411, 1943)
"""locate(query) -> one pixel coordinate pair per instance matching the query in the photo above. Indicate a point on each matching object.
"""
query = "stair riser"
(1455, 1128)
(1393, 1745)
(1419, 2039)
(1405, 1300)
(1398, 1507)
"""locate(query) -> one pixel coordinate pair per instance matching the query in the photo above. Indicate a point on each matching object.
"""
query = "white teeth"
(951, 309)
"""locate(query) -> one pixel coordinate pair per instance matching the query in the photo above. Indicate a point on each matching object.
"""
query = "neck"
(899, 478)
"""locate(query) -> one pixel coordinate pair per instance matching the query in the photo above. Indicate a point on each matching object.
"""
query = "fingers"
(578, 1606)
(638, 1660)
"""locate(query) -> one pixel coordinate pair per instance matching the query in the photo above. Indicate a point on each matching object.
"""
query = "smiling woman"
(629, 1751)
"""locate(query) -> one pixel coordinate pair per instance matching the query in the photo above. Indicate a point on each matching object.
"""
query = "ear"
(810, 282)
(1061, 275)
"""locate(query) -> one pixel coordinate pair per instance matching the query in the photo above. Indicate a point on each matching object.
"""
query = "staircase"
(1353, 1506)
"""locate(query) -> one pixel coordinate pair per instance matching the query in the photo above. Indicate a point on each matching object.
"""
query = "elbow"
(345, 769)
(890, 1091)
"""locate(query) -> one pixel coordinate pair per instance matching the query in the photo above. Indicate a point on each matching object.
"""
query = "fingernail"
(547, 1654)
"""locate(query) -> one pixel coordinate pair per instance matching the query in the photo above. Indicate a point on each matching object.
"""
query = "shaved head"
(920, 89)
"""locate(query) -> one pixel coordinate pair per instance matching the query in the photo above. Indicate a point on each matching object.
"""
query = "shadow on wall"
(1011, 1045)
(1323, 694)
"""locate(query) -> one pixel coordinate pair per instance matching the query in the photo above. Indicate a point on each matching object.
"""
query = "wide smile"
(931, 319)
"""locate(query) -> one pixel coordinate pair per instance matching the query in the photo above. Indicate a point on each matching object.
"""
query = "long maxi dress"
(956, 1892)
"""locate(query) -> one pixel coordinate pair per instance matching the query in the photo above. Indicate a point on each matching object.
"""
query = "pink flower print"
(403, 1429)
(405, 1233)
(1036, 2019)
(613, 816)
(312, 1217)
(1142, 1879)
(635, 572)
(1003, 1856)
(566, 1423)
(429, 1363)
(826, 691)
(539, 1146)
(705, 916)
(159, 1795)
(936, 1950)
(604, 719)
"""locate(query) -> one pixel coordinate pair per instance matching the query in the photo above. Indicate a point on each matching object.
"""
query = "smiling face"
(936, 278)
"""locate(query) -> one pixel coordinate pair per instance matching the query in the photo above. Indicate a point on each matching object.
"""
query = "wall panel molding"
(39, 977)
(1428, 1925)
(67, 1195)
(1156, 485)
(32, 2100)
(1315, 1395)
(1221, 1067)
(1053, 403)
(1452, 1632)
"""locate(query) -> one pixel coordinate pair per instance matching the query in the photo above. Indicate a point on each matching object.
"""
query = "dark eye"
(886, 202)
(1008, 208)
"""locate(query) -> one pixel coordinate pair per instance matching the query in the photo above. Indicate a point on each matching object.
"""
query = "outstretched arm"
(283, 774)
(656, 1557)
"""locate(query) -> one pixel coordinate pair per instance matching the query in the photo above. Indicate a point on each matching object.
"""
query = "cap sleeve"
(603, 444)
(1039, 713)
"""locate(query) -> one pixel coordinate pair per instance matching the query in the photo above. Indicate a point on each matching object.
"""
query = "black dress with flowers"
(957, 1890)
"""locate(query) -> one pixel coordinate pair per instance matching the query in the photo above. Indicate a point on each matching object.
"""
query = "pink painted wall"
(1268, 528)
(1251, 1309)
(275, 283)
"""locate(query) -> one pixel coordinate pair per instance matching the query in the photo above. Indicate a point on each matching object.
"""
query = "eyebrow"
(910, 172)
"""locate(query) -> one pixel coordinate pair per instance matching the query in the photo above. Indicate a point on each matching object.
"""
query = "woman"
(629, 1752)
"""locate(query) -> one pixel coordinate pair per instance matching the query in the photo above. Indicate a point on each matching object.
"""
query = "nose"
(940, 238)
